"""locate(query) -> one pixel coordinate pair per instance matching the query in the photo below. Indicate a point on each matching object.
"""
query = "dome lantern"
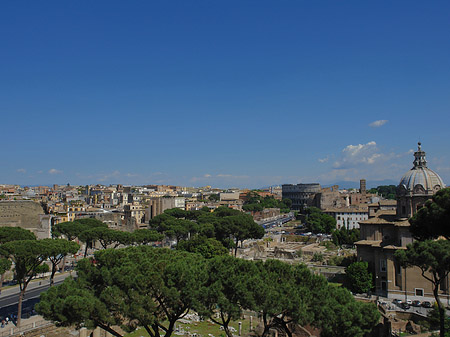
(417, 186)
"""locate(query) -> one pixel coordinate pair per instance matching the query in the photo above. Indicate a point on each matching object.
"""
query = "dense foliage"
(225, 225)
(431, 221)
(433, 259)
(345, 236)
(358, 279)
(386, 191)
(318, 222)
(154, 287)
(431, 256)
(256, 203)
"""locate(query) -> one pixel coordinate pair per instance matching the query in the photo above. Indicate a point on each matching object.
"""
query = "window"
(418, 291)
(383, 265)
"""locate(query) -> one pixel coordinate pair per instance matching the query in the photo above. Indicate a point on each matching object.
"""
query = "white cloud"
(22, 170)
(369, 162)
(324, 160)
(54, 171)
(207, 175)
(353, 155)
(378, 123)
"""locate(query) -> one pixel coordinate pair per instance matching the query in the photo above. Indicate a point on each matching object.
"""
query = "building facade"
(301, 195)
(387, 230)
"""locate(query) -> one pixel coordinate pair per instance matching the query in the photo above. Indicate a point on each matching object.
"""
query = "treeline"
(203, 232)
(154, 287)
(256, 203)
(387, 191)
(224, 227)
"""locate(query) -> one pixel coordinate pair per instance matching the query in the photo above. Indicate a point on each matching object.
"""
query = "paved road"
(10, 296)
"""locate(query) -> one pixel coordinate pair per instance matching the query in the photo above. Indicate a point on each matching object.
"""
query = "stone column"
(240, 328)
(251, 323)
(83, 332)
(96, 332)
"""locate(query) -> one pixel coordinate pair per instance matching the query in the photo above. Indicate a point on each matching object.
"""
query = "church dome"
(420, 180)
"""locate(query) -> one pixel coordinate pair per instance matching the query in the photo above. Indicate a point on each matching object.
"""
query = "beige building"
(387, 230)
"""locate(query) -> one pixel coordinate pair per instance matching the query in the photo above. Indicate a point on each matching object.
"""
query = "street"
(10, 296)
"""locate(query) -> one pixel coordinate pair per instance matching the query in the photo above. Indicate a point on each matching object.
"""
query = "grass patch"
(203, 329)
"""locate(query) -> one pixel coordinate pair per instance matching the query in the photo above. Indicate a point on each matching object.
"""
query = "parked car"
(404, 305)
(409, 302)
(396, 301)
(427, 304)
(416, 303)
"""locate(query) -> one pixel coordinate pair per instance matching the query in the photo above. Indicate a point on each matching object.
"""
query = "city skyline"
(235, 94)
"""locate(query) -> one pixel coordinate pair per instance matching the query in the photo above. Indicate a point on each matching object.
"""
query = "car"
(416, 303)
(427, 304)
(396, 301)
(404, 305)
(409, 302)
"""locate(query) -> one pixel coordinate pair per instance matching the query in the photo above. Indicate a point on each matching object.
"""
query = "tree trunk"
(149, 331)
(169, 330)
(267, 326)
(2, 279)
(85, 250)
(156, 329)
(110, 330)
(52, 276)
(441, 310)
(19, 306)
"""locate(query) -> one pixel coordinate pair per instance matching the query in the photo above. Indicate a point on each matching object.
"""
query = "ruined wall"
(25, 214)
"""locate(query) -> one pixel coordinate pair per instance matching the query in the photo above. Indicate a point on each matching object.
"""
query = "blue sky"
(222, 93)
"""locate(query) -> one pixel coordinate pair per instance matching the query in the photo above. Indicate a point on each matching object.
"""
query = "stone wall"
(26, 214)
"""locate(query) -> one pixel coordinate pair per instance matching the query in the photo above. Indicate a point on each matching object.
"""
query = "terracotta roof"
(372, 243)
(384, 203)
(376, 243)
(386, 218)
(362, 209)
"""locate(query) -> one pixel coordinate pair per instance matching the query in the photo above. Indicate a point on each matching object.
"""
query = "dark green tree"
(358, 279)
(130, 287)
(283, 295)
(223, 211)
(56, 250)
(177, 228)
(343, 316)
(431, 221)
(73, 303)
(106, 237)
(318, 222)
(345, 236)
(176, 213)
(227, 290)
(432, 257)
(214, 197)
(207, 247)
(27, 256)
(145, 236)
(71, 230)
(5, 265)
(8, 234)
